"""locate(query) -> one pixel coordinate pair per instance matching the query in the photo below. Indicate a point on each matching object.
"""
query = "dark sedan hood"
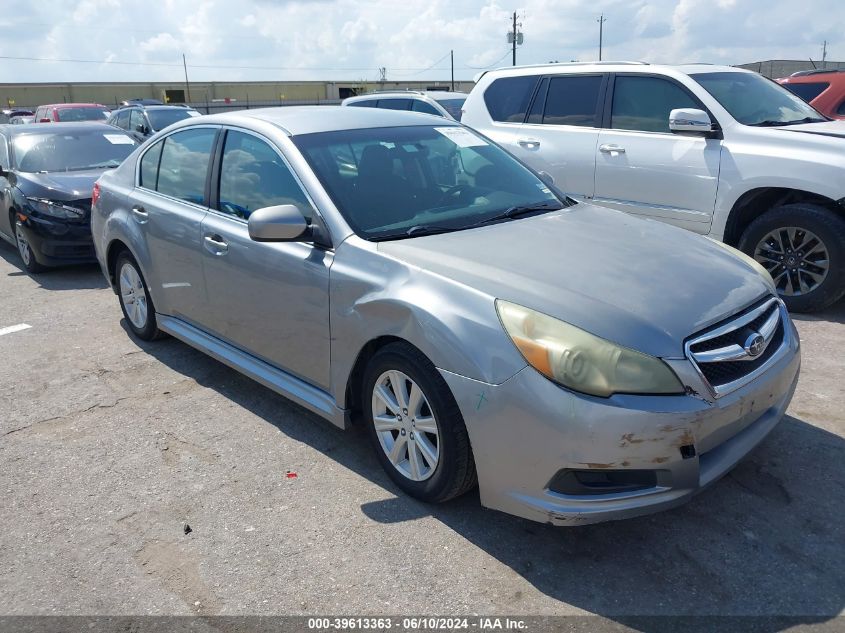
(642, 284)
(58, 185)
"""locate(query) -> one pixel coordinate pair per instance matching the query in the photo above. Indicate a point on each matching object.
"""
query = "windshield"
(160, 119)
(70, 151)
(396, 182)
(69, 115)
(754, 100)
(453, 106)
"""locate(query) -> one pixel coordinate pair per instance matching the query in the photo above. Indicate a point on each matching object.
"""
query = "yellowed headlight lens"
(581, 361)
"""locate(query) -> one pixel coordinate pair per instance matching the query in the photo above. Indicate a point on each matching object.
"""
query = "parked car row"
(458, 291)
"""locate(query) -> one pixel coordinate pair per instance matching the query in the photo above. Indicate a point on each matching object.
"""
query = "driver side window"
(254, 176)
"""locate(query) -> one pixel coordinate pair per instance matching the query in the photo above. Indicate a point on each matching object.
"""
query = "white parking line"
(14, 328)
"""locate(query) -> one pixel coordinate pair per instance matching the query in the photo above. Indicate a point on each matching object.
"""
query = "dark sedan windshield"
(72, 115)
(403, 181)
(160, 119)
(754, 100)
(72, 150)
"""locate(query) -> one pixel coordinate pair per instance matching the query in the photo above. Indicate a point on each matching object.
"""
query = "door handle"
(141, 215)
(611, 149)
(528, 143)
(216, 245)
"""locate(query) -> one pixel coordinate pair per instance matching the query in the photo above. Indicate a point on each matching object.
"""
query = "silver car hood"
(639, 283)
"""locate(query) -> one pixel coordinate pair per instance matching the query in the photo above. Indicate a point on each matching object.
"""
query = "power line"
(508, 52)
(419, 72)
(207, 66)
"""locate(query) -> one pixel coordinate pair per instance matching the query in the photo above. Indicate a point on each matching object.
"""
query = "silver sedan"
(407, 273)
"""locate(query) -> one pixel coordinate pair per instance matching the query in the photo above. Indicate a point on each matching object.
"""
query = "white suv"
(714, 149)
(437, 102)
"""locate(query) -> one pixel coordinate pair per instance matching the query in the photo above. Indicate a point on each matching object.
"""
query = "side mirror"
(690, 120)
(141, 128)
(282, 223)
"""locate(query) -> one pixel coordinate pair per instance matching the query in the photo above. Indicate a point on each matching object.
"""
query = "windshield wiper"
(509, 213)
(516, 211)
(771, 123)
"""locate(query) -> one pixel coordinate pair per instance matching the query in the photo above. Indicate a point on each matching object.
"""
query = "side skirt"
(308, 396)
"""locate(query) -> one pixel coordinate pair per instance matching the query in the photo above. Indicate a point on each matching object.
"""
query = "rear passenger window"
(149, 166)
(184, 164)
(394, 104)
(573, 101)
(841, 108)
(644, 103)
(123, 121)
(371, 103)
(254, 176)
(424, 107)
(507, 98)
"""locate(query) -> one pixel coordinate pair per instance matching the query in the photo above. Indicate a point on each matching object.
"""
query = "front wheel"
(415, 425)
(25, 250)
(803, 248)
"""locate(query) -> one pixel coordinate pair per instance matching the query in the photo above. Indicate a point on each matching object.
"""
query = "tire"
(135, 300)
(453, 472)
(775, 239)
(25, 251)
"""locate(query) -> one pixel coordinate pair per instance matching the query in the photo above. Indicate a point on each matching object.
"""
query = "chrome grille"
(732, 353)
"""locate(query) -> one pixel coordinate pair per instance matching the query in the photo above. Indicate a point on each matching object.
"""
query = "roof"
(58, 128)
(611, 66)
(814, 76)
(72, 105)
(296, 120)
(161, 106)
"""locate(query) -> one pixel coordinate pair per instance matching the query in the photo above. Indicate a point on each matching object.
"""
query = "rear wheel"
(415, 425)
(135, 300)
(25, 250)
(803, 248)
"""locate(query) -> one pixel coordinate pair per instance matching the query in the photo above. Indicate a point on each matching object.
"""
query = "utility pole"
(824, 54)
(452, 57)
(601, 22)
(515, 37)
(187, 85)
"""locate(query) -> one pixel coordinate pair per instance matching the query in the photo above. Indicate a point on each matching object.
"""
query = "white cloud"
(350, 39)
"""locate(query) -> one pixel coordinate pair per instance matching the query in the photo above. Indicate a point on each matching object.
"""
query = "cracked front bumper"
(526, 430)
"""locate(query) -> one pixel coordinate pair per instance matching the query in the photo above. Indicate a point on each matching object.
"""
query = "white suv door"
(643, 168)
(551, 123)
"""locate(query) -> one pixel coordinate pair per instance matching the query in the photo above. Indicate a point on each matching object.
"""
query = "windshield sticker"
(461, 136)
(119, 139)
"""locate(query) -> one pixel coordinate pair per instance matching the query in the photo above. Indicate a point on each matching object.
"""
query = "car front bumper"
(56, 243)
(528, 434)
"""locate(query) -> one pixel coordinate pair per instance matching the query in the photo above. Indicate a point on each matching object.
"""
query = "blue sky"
(350, 39)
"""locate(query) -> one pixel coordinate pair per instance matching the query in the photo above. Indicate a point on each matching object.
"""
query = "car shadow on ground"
(834, 314)
(766, 540)
(75, 277)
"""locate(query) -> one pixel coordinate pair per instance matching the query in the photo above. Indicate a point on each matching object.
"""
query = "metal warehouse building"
(214, 96)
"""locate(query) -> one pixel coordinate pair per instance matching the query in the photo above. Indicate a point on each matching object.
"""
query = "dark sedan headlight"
(55, 209)
(582, 361)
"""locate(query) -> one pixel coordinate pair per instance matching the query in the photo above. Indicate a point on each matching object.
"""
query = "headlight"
(55, 209)
(747, 259)
(580, 361)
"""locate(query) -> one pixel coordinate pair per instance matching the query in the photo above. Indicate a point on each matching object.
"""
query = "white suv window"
(644, 103)
(507, 98)
(573, 100)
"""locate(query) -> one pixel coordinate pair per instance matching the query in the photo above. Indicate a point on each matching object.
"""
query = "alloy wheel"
(23, 246)
(796, 259)
(405, 425)
(133, 295)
